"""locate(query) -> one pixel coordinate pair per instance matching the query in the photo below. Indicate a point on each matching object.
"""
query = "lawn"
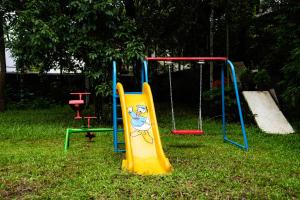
(33, 164)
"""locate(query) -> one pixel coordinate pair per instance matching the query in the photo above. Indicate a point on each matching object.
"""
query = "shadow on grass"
(186, 146)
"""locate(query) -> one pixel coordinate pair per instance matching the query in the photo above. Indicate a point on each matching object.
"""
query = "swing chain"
(200, 98)
(171, 99)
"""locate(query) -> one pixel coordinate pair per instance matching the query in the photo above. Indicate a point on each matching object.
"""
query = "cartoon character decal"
(140, 123)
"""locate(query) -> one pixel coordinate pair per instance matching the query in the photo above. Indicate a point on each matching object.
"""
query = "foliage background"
(88, 35)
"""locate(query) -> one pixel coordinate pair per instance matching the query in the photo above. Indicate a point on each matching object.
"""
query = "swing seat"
(187, 132)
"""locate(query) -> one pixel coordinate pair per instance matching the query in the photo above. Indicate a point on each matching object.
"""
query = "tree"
(74, 35)
(211, 45)
(2, 64)
(276, 47)
(6, 8)
(180, 27)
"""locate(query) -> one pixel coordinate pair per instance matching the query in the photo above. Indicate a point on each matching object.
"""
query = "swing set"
(199, 130)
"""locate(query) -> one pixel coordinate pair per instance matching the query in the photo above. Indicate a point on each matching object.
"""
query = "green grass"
(34, 166)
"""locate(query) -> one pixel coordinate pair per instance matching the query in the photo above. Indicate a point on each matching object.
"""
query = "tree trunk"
(227, 38)
(227, 41)
(130, 9)
(211, 47)
(2, 66)
(87, 88)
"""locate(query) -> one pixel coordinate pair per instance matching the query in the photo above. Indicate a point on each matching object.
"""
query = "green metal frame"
(82, 130)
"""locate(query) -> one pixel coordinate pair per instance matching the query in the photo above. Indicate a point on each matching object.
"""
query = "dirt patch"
(10, 190)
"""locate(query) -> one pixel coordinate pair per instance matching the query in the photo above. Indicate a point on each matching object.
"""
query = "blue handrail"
(114, 114)
(145, 68)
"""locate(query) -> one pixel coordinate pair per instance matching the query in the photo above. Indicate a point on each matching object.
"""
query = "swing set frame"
(228, 63)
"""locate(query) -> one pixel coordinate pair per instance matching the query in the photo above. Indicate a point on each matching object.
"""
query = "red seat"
(187, 132)
(77, 105)
(76, 102)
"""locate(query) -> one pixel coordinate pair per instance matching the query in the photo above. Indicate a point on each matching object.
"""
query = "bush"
(246, 79)
(213, 105)
(262, 80)
(33, 103)
(258, 81)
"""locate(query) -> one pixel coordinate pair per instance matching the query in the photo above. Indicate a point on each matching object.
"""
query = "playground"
(141, 158)
(34, 165)
(194, 157)
(149, 99)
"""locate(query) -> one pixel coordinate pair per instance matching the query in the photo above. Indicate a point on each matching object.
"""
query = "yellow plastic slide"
(144, 152)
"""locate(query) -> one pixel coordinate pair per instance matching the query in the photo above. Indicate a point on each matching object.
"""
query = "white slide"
(266, 113)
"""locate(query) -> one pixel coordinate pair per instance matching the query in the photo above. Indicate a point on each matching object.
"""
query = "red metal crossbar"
(187, 132)
(187, 58)
(80, 94)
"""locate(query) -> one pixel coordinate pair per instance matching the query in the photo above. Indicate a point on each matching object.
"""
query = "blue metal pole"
(142, 77)
(114, 95)
(223, 103)
(236, 144)
(146, 70)
(238, 104)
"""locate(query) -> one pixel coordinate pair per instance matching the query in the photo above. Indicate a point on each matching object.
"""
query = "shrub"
(262, 80)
